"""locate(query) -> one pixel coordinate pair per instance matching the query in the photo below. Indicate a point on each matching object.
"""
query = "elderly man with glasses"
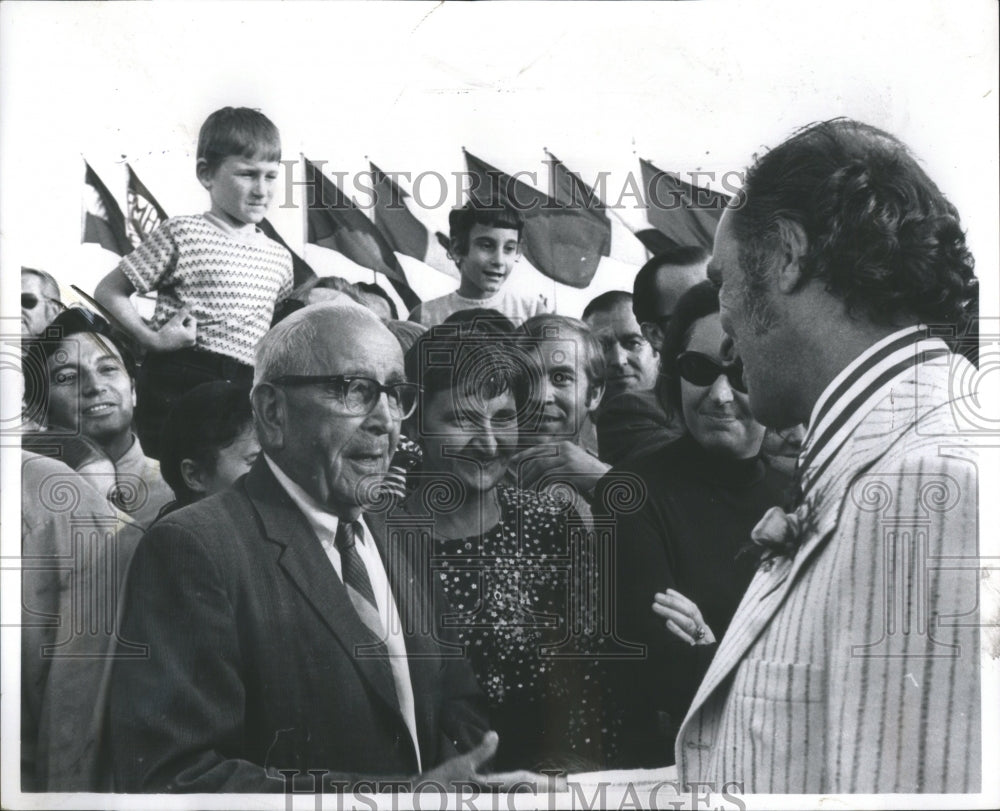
(289, 643)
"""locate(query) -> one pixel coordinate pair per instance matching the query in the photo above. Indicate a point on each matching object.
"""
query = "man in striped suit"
(852, 664)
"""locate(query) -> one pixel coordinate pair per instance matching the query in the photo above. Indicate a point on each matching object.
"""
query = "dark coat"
(251, 669)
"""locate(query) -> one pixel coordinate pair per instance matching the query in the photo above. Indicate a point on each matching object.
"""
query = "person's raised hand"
(683, 618)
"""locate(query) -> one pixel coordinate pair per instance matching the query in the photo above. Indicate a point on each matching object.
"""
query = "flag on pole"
(570, 191)
(334, 222)
(404, 230)
(301, 272)
(686, 214)
(103, 221)
(144, 213)
(564, 243)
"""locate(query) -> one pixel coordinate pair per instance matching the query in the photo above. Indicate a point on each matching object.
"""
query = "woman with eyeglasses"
(678, 552)
(502, 555)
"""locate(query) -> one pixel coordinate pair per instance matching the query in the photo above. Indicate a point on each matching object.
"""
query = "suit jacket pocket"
(782, 711)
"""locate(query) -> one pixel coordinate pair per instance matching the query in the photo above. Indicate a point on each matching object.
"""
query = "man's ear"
(653, 334)
(203, 173)
(193, 476)
(453, 252)
(594, 396)
(270, 409)
(794, 245)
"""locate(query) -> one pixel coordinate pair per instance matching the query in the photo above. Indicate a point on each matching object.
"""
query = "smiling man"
(485, 244)
(91, 391)
(630, 421)
(852, 664)
(287, 644)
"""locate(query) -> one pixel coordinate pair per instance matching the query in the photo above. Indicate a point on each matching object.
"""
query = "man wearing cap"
(852, 664)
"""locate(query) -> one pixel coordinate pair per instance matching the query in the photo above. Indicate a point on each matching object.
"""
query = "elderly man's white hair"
(288, 347)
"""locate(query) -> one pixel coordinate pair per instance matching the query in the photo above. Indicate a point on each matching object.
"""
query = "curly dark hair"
(881, 235)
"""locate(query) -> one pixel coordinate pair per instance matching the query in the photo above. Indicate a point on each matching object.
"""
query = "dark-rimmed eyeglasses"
(29, 301)
(703, 370)
(358, 395)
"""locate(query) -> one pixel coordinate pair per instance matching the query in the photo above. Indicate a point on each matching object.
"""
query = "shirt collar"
(852, 394)
(323, 522)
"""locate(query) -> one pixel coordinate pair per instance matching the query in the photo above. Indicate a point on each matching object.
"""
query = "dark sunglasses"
(702, 370)
(358, 395)
(29, 301)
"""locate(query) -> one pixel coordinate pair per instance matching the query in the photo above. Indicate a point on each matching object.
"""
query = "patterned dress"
(510, 592)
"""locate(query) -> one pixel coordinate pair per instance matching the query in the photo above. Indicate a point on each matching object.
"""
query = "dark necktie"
(355, 577)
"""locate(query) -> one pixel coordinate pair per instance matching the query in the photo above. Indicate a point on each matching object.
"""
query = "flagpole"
(305, 212)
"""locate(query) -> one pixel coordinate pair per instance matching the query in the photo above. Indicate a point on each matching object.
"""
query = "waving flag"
(404, 230)
(564, 243)
(144, 213)
(684, 213)
(572, 192)
(103, 221)
(301, 272)
(334, 222)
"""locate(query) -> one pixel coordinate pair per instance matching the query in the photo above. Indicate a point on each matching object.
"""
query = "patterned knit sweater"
(227, 282)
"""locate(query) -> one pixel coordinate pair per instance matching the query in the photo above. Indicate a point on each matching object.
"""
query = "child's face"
(241, 188)
(490, 259)
(566, 394)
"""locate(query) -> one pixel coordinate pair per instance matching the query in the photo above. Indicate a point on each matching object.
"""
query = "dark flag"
(334, 222)
(564, 243)
(144, 213)
(301, 272)
(103, 221)
(686, 214)
(572, 192)
(403, 229)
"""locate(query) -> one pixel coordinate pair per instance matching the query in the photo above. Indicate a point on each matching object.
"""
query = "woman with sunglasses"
(704, 493)
(501, 554)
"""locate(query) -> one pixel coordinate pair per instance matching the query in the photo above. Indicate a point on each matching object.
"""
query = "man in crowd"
(90, 389)
(660, 283)
(630, 419)
(40, 301)
(852, 664)
(284, 635)
(570, 375)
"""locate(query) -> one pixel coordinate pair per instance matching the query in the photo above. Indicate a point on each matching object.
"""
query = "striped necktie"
(355, 577)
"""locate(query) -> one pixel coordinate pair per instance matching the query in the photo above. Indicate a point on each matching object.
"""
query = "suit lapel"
(869, 441)
(416, 618)
(301, 556)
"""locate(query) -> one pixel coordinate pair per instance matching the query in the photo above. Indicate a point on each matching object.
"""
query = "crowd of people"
(315, 543)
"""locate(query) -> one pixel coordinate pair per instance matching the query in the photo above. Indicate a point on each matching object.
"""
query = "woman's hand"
(683, 618)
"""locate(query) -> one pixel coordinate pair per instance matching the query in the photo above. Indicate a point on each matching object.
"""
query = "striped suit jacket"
(854, 666)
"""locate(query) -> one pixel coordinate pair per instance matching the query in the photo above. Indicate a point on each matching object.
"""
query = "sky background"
(691, 86)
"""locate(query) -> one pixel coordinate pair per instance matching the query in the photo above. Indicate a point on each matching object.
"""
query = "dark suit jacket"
(251, 667)
(634, 423)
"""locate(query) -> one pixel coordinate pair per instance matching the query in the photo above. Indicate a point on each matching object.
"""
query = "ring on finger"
(699, 633)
